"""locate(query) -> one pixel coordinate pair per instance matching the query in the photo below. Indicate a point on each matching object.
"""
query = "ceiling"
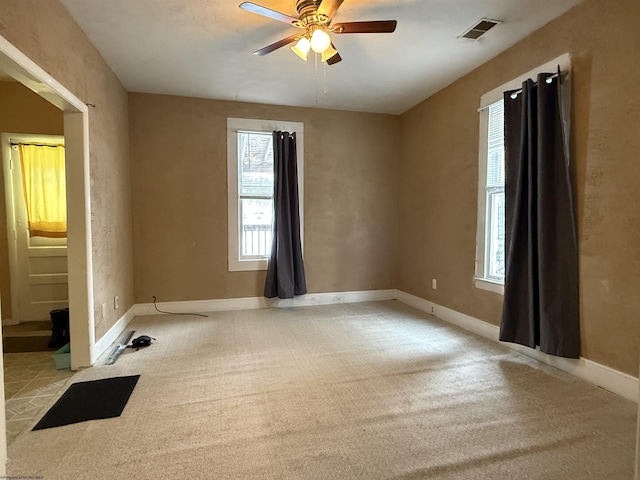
(203, 48)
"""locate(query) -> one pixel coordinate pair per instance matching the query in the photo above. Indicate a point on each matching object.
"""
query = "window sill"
(489, 285)
(247, 265)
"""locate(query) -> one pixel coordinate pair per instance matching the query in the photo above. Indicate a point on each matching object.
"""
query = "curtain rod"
(515, 93)
(16, 143)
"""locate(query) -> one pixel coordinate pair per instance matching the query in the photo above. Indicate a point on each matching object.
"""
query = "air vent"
(479, 29)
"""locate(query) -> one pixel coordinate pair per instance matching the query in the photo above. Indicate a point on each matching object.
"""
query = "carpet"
(91, 400)
(368, 391)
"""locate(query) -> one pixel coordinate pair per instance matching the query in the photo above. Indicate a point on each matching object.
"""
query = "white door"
(38, 264)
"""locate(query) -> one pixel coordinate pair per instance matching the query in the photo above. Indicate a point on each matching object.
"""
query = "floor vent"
(480, 28)
(120, 346)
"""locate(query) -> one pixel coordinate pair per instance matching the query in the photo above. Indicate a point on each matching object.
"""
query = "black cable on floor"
(176, 313)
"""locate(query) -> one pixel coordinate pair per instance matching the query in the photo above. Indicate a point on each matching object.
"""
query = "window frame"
(234, 125)
(480, 277)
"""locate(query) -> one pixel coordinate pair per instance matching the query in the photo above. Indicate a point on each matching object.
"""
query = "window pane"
(255, 227)
(495, 145)
(496, 236)
(255, 155)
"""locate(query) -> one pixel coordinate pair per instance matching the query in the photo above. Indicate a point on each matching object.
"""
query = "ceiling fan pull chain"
(315, 83)
(325, 77)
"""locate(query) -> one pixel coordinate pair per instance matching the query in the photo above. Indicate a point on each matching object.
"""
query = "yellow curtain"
(45, 190)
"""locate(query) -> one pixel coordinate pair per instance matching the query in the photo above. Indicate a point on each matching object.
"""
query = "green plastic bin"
(62, 357)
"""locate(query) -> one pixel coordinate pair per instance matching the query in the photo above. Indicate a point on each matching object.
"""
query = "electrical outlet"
(434, 283)
(116, 302)
(104, 310)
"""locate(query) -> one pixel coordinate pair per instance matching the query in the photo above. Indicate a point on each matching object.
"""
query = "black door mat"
(92, 400)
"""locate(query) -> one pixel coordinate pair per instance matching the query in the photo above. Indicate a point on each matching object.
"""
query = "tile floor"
(31, 382)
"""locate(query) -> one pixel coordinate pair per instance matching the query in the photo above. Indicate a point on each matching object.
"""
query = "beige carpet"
(366, 391)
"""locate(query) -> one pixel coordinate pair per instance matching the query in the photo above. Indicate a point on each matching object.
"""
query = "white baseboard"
(250, 303)
(416, 302)
(112, 334)
(613, 380)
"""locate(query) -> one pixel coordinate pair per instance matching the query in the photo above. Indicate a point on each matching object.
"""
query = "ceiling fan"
(314, 19)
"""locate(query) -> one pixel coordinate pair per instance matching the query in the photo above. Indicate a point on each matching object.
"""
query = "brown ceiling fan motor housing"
(306, 6)
(307, 9)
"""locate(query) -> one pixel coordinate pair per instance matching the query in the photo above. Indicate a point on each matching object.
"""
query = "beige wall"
(21, 111)
(178, 154)
(44, 31)
(438, 181)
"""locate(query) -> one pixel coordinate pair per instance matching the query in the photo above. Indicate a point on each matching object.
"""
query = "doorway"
(76, 128)
(37, 259)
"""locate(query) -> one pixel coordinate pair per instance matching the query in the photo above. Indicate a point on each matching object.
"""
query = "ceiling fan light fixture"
(320, 40)
(328, 53)
(302, 48)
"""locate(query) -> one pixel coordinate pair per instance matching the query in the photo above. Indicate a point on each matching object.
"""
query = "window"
(44, 189)
(250, 189)
(493, 267)
(490, 245)
(255, 193)
(490, 240)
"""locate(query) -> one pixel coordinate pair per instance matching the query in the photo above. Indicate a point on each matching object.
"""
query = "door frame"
(79, 242)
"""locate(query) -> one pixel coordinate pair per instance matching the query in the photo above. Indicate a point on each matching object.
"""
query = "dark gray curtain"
(541, 303)
(285, 270)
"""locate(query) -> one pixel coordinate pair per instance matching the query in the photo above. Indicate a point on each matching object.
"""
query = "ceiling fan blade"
(329, 7)
(335, 59)
(277, 45)
(267, 12)
(377, 26)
